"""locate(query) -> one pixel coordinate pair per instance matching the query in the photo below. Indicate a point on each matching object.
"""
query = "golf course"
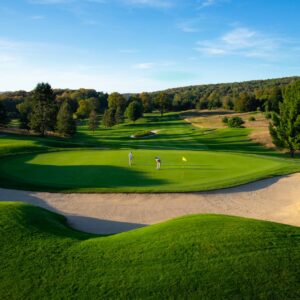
(149, 150)
(220, 256)
(193, 159)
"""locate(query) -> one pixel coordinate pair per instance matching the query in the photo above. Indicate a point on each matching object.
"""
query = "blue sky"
(146, 45)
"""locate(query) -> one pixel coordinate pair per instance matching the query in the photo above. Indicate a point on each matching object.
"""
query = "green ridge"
(194, 257)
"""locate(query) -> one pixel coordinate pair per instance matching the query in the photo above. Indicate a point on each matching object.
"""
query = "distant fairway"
(108, 171)
(195, 257)
(216, 158)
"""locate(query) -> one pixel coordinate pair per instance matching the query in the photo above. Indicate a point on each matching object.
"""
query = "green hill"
(194, 257)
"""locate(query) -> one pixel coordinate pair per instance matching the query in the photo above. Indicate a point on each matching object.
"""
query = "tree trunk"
(292, 152)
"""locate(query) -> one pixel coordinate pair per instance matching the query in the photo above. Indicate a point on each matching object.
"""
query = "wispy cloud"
(187, 26)
(144, 66)
(149, 3)
(208, 3)
(153, 3)
(241, 41)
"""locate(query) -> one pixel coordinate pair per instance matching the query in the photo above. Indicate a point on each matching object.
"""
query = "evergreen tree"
(109, 118)
(66, 125)
(93, 121)
(119, 116)
(43, 109)
(3, 115)
(134, 111)
(285, 128)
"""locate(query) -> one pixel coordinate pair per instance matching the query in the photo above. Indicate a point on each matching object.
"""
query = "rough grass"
(194, 257)
(259, 127)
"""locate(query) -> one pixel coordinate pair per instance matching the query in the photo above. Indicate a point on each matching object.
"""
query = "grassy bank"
(201, 256)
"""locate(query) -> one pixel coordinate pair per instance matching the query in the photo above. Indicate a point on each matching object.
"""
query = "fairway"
(108, 171)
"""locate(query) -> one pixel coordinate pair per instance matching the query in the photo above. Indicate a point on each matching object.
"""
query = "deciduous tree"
(134, 111)
(93, 121)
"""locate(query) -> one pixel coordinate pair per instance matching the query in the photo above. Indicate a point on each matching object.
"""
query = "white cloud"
(241, 41)
(206, 3)
(144, 66)
(150, 3)
(209, 3)
(153, 3)
(187, 26)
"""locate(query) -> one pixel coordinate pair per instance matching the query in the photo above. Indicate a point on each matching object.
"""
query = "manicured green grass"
(216, 159)
(108, 170)
(194, 257)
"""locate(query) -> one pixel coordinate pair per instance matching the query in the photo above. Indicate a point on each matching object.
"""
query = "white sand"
(276, 199)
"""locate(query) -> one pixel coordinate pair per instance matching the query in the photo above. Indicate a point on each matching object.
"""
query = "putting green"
(108, 171)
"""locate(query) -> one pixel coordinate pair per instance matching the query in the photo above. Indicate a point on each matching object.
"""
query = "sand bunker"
(275, 199)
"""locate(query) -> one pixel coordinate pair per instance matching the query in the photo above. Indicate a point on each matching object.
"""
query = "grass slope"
(195, 257)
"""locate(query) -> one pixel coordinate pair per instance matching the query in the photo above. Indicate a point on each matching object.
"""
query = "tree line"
(46, 110)
(244, 96)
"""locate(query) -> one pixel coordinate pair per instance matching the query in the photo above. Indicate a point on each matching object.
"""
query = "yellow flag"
(184, 159)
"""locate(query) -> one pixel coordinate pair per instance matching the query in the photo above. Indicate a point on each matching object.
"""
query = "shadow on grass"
(75, 177)
(55, 224)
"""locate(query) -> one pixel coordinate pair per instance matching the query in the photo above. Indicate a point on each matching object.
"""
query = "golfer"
(130, 157)
(158, 162)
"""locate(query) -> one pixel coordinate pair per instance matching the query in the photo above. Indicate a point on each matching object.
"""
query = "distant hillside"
(226, 95)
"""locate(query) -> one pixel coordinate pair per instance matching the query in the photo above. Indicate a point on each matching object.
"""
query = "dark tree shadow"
(68, 178)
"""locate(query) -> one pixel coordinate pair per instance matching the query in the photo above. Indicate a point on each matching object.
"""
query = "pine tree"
(3, 115)
(109, 118)
(93, 121)
(285, 126)
(66, 125)
(43, 109)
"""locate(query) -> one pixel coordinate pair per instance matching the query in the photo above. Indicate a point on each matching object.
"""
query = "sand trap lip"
(152, 132)
(276, 199)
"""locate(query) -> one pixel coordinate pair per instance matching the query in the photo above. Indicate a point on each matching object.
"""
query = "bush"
(225, 120)
(251, 119)
(235, 122)
(268, 115)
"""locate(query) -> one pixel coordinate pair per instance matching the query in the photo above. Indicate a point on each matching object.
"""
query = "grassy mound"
(195, 257)
(108, 171)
